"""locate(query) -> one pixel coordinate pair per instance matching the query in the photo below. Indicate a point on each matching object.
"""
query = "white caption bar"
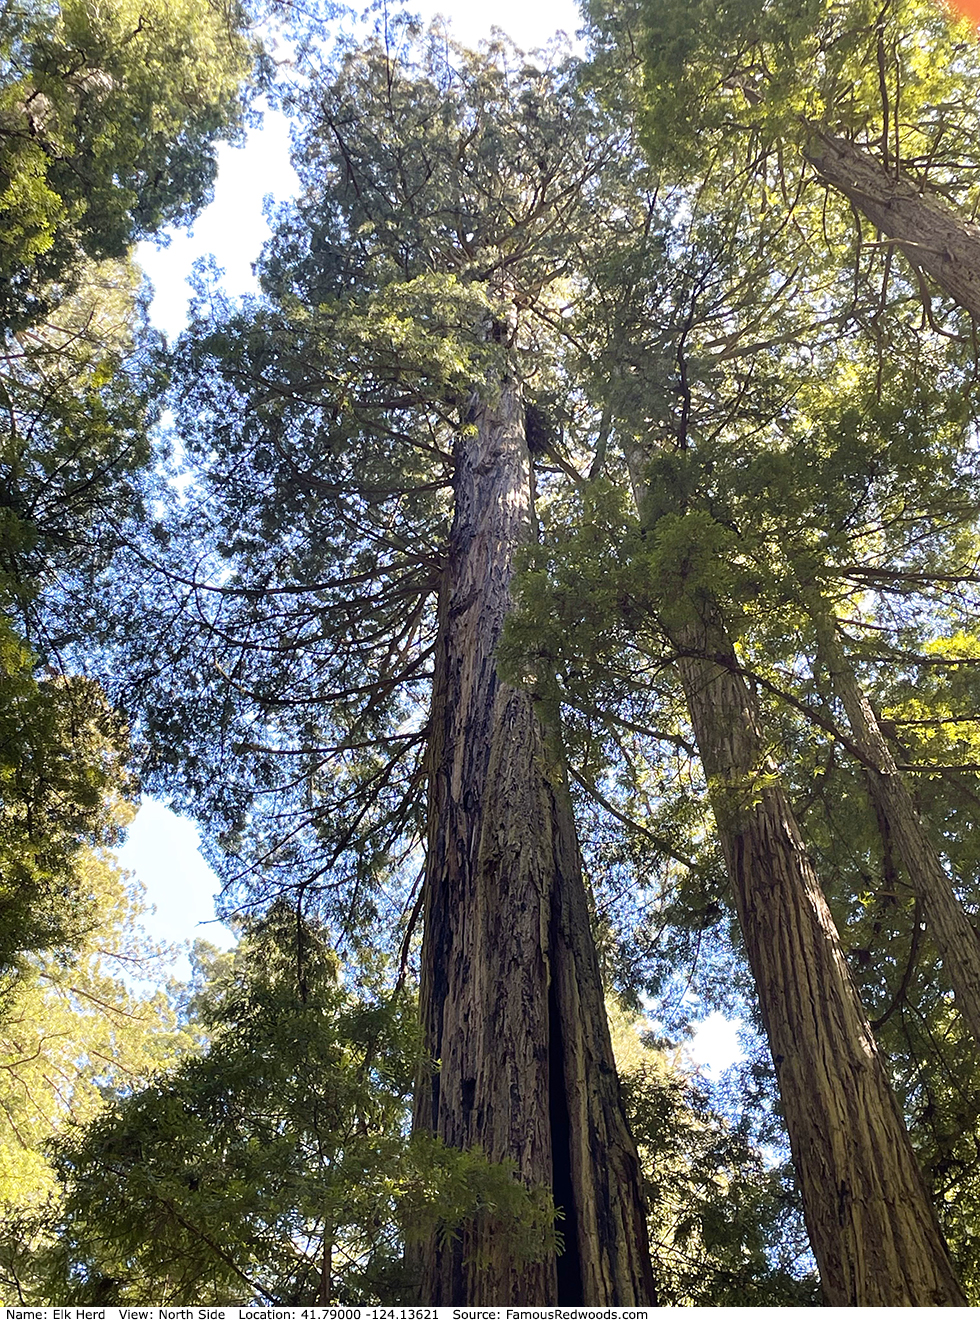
(362, 1313)
(373, 1313)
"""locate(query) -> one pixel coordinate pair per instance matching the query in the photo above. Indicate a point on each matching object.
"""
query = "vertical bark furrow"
(872, 1226)
(612, 1231)
(570, 1288)
(930, 234)
(510, 996)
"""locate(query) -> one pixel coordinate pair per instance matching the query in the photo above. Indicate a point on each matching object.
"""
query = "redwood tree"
(365, 434)
(736, 447)
(866, 109)
(511, 997)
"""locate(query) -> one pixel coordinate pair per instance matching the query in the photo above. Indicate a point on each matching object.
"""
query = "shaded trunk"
(949, 926)
(930, 234)
(871, 1223)
(326, 1268)
(511, 999)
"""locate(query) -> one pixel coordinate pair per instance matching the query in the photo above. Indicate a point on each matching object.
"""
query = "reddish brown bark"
(872, 1226)
(512, 1003)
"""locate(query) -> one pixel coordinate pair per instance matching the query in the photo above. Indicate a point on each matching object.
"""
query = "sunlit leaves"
(108, 114)
(73, 1026)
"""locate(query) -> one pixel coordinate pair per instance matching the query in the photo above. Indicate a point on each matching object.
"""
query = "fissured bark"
(511, 998)
(872, 1226)
(927, 230)
(949, 926)
(871, 1223)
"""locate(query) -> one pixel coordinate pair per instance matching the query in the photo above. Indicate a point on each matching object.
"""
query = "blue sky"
(162, 850)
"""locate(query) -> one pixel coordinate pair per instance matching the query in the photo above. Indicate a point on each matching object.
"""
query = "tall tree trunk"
(950, 928)
(930, 234)
(512, 1003)
(872, 1226)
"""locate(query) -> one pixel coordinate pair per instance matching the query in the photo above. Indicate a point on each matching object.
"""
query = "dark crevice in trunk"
(511, 997)
(570, 1288)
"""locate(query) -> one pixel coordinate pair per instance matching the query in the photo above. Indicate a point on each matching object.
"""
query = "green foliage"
(79, 393)
(108, 116)
(585, 593)
(280, 1153)
(75, 1028)
(275, 1166)
(725, 1226)
(801, 428)
(747, 78)
(726, 1229)
(783, 447)
(62, 751)
(447, 1190)
(322, 419)
(581, 590)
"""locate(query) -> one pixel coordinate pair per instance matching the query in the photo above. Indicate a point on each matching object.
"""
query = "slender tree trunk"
(872, 1226)
(512, 1003)
(930, 234)
(326, 1268)
(950, 928)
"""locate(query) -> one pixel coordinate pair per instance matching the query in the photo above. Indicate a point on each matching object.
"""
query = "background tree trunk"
(949, 926)
(872, 1226)
(511, 999)
(931, 235)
